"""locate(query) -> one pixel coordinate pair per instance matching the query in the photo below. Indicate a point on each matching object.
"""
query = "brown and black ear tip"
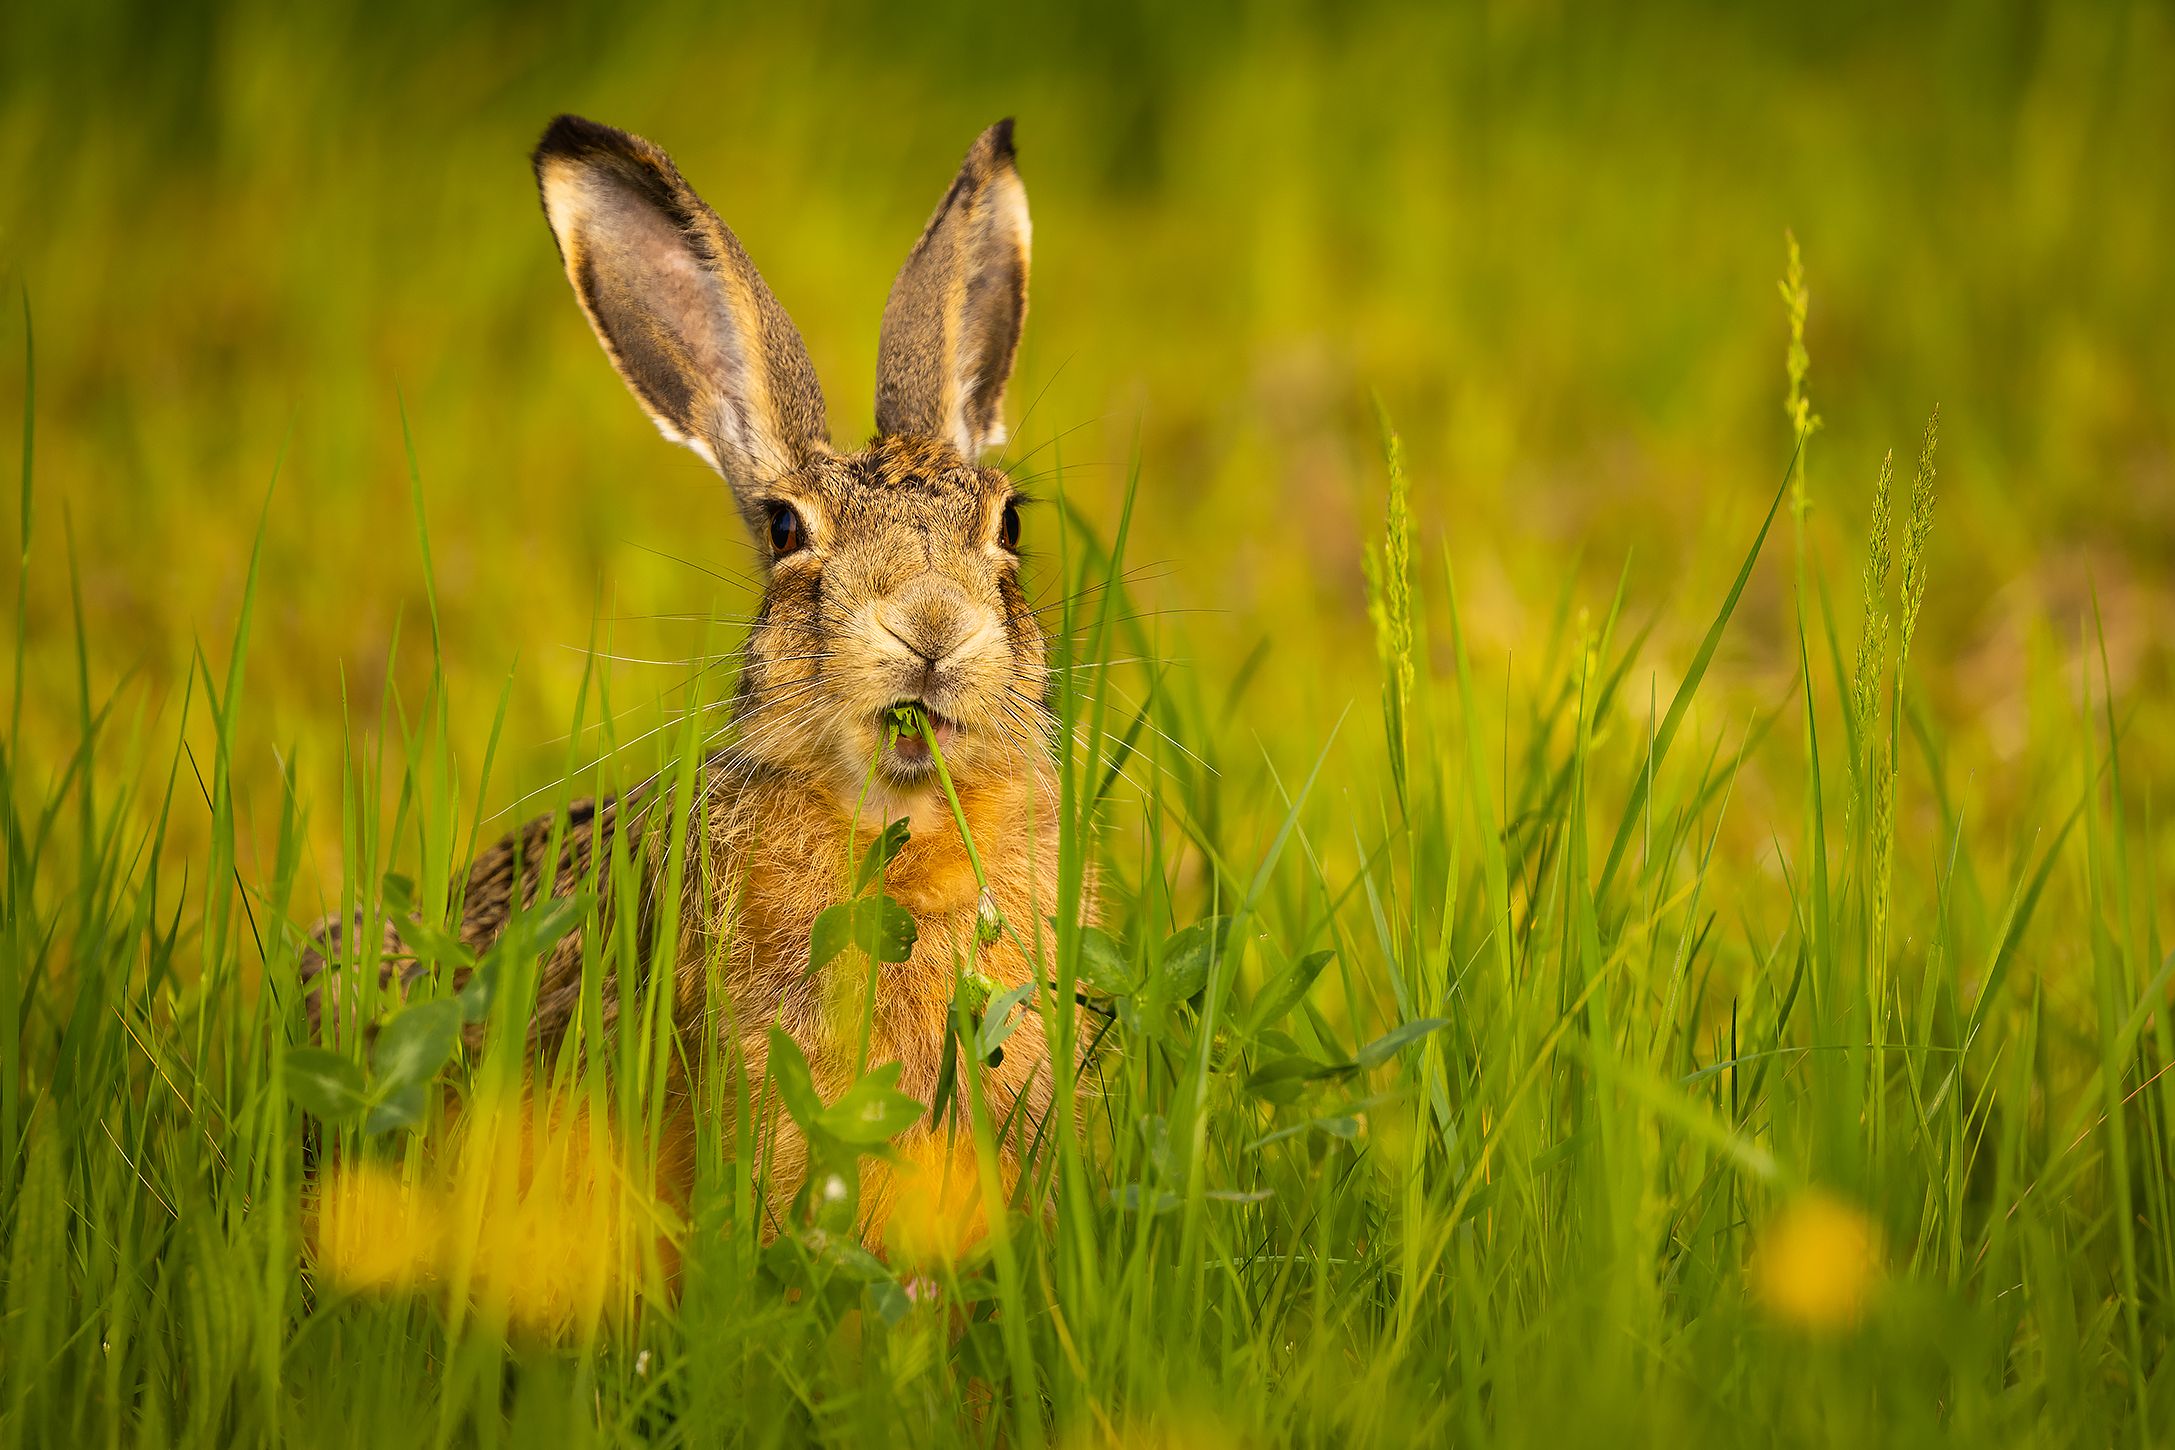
(579, 138)
(584, 142)
(993, 152)
(579, 142)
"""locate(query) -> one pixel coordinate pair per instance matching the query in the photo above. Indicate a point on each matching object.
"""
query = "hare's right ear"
(680, 309)
(952, 322)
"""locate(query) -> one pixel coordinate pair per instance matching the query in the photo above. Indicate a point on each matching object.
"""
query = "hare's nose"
(931, 620)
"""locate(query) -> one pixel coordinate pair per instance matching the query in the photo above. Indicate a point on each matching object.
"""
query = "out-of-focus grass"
(1546, 236)
(1795, 1063)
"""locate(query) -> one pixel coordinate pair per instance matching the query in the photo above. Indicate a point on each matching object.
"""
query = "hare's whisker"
(1057, 438)
(728, 577)
(1033, 403)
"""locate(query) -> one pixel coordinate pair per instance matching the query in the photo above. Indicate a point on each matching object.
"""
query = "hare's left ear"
(681, 311)
(952, 323)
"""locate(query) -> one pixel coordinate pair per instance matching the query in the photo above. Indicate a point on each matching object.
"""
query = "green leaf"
(400, 1108)
(434, 943)
(842, 1255)
(887, 845)
(998, 1022)
(947, 1076)
(873, 1110)
(1104, 965)
(1135, 1198)
(1236, 1195)
(1187, 957)
(1286, 992)
(327, 1085)
(884, 929)
(1385, 1047)
(889, 1301)
(902, 720)
(542, 928)
(1280, 1079)
(480, 990)
(832, 931)
(415, 1042)
(431, 941)
(796, 1087)
(1155, 1137)
(867, 1114)
(1337, 1125)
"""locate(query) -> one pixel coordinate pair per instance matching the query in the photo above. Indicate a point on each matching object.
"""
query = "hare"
(891, 577)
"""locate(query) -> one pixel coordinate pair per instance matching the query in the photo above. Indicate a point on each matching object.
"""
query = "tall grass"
(1486, 1098)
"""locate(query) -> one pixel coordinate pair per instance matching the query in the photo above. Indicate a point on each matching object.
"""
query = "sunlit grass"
(1625, 915)
(1488, 1097)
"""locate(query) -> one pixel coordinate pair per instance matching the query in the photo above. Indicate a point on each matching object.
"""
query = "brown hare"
(891, 576)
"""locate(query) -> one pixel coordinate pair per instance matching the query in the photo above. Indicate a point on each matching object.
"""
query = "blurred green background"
(1546, 235)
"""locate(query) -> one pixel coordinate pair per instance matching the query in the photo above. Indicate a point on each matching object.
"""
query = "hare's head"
(891, 573)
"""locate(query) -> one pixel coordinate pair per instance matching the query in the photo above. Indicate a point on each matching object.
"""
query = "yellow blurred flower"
(375, 1231)
(936, 1208)
(1181, 1429)
(537, 1219)
(1817, 1262)
(554, 1225)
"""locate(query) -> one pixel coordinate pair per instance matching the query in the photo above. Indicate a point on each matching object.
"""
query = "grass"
(1620, 917)
(1532, 1113)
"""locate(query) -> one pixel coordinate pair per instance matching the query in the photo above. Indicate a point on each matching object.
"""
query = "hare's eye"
(786, 534)
(1009, 526)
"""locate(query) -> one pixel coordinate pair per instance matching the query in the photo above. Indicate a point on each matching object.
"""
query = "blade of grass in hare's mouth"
(905, 721)
(903, 727)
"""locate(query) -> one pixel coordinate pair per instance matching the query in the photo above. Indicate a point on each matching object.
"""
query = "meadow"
(1613, 571)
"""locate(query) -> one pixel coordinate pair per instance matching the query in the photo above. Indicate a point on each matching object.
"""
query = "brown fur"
(953, 319)
(902, 588)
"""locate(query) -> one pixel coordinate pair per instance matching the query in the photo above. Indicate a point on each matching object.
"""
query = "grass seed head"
(1915, 533)
(1873, 630)
(1797, 363)
(1388, 574)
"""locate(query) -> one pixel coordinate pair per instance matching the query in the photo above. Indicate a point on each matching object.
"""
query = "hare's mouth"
(907, 726)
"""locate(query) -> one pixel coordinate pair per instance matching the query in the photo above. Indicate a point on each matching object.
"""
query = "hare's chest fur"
(777, 856)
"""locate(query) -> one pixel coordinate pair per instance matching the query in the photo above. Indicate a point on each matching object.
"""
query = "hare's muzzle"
(931, 631)
(930, 653)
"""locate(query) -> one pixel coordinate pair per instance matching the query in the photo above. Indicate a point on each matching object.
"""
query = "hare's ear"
(953, 320)
(680, 309)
